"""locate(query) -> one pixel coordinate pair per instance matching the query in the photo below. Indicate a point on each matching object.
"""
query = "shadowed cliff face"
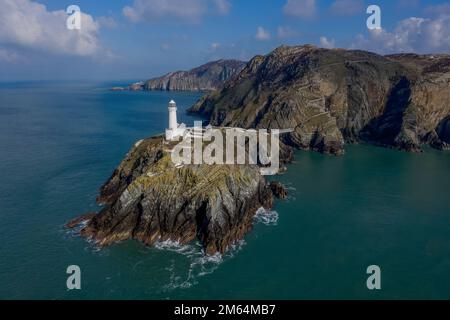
(208, 77)
(386, 128)
(147, 198)
(442, 138)
(330, 97)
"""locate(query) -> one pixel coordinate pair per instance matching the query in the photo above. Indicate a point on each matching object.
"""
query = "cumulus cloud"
(300, 8)
(347, 7)
(325, 43)
(421, 35)
(183, 10)
(29, 25)
(262, 34)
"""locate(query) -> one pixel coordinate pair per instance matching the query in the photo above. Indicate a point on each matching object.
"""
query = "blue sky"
(138, 39)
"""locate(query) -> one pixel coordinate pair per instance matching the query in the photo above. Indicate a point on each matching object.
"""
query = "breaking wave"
(267, 217)
(200, 264)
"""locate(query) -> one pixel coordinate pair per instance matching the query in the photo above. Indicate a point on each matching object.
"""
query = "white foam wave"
(267, 217)
(200, 264)
(174, 246)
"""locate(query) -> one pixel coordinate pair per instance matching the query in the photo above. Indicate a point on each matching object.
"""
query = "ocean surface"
(59, 142)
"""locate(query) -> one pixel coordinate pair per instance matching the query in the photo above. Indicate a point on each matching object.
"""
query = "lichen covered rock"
(148, 199)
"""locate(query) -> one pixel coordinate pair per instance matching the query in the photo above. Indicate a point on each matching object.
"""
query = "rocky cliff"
(333, 96)
(208, 77)
(148, 198)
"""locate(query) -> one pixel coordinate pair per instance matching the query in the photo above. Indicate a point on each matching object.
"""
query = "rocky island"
(334, 96)
(150, 199)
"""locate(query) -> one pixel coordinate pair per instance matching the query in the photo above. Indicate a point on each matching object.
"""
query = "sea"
(60, 141)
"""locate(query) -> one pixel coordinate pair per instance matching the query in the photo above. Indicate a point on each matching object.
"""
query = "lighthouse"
(173, 125)
(175, 130)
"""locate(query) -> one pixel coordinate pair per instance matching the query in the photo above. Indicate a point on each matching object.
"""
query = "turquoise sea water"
(60, 142)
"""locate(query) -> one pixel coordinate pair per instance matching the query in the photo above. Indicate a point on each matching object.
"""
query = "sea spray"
(200, 264)
(266, 216)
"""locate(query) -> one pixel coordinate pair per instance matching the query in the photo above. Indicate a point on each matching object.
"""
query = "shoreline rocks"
(278, 190)
(80, 220)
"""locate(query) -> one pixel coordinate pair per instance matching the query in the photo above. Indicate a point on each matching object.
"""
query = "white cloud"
(223, 6)
(286, 32)
(347, 7)
(262, 34)
(410, 35)
(325, 43)
(29, 25)
(300, 8)
(181, 10)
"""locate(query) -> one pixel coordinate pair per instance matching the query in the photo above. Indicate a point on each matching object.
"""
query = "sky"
(139, 39)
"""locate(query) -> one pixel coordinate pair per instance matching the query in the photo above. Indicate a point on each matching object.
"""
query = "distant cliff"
(333, 96)
(208, 77)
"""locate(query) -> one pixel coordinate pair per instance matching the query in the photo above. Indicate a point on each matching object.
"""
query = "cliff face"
(147, 198)
(208, 77)
(442, 138)
(330, 97)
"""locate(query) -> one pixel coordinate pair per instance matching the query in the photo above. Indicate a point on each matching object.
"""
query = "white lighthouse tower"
(175, 130)
(173, 124)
